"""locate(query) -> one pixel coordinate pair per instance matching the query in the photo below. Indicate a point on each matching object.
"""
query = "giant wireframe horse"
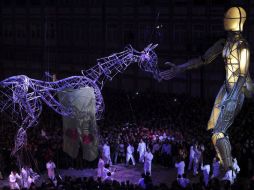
(21, 97)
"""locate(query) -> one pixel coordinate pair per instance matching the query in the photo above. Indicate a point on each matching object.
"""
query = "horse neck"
(107, 68)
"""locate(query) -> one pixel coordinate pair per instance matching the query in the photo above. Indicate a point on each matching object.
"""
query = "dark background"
(66, 36)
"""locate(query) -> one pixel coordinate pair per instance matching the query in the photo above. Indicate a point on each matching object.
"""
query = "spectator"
(216, 167)
(166, 153)
(148, 157)
(106, 153)
(183, 181)
(180, 165)
(51, 169)
(141, 150)
(191, 157)
(206, 172)
(129, 154)
(13, 180)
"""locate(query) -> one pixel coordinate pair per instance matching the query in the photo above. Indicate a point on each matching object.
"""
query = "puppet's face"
(234, 19)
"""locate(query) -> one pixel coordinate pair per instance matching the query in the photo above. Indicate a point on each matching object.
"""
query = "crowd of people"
(145, 182)
(148, 128)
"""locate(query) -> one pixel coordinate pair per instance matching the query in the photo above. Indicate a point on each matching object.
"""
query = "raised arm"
(207, 58)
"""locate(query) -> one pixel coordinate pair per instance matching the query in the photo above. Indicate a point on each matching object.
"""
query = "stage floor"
(160, 174)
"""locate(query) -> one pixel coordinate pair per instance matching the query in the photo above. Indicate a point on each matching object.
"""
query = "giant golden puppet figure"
(235, 52)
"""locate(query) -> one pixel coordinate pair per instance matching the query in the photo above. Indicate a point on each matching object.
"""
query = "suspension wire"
(150, 41)
(46, 50)
(132, 111)
(154, 28)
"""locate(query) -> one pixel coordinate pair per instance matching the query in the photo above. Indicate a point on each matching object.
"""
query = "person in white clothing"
(180, 167)
(106, 153)
(129, 155)
(148, 157)
(230, 175)
(24, 176)
(26, 173)
(161, 138)
(141, 150)
(202, 148)
(183, 181)
(191, 158)
(100, 169)
(216, 168)
(197, 158)
(13, 177)
(141, 181)
(206, 173)
(28, 177)
(108, 178)
(236, 166)
(107, 174)
(30, 180)
(51, 169)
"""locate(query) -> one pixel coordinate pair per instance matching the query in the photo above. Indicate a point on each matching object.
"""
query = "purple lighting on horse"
(21, 97)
